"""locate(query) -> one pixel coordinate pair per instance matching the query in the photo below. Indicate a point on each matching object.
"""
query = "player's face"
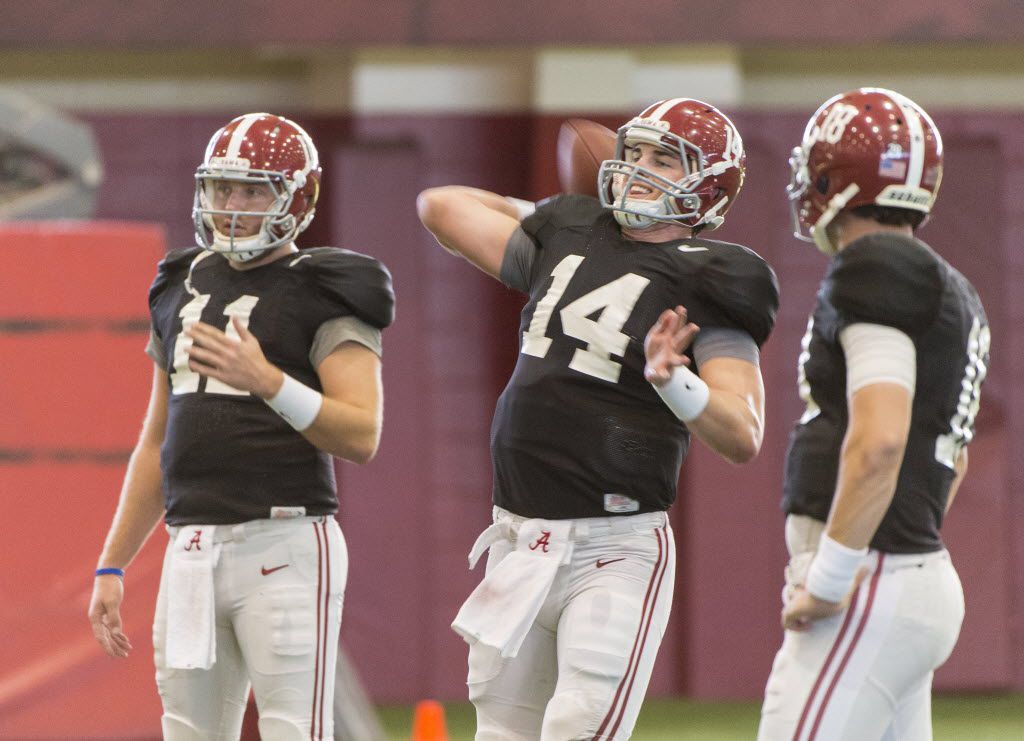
(660, 161)
(228, 195)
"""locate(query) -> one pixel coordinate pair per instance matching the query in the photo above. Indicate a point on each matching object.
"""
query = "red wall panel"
(55, 681)
(73, 388)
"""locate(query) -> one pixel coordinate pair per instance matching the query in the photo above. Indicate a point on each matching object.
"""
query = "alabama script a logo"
(195, 541)
(542, 542)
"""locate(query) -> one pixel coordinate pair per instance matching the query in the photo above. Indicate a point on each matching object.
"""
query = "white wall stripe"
(541, 79)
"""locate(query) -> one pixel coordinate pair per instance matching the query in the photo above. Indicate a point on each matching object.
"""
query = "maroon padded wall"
(428, 491)
(191, 24)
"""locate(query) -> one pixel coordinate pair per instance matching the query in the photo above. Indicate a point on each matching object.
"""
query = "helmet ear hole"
(821, 184)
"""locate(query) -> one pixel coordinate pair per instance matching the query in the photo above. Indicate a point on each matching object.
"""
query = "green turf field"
(981, 718)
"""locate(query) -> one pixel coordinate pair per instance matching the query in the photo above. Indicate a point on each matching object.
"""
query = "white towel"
(191, 636)
(504, 605)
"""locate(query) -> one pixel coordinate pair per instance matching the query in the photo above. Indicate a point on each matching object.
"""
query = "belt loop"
(238, 532)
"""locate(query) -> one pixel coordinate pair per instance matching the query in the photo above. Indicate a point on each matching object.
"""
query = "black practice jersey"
(899, 282)
(578, 432)
(227, 457)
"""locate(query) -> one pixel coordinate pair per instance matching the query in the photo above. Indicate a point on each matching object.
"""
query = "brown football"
(582, 146)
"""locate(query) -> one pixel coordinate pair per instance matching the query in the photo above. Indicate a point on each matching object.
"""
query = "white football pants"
(866, 674)
(278, 588)
(583, 669)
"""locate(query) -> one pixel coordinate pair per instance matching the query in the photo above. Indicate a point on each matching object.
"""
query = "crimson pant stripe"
(828, 662)
(853, 644)
(327, 619)
(316, 670)
(637, 641)
(643, 642)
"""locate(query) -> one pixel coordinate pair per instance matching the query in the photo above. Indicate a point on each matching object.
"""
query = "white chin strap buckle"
(234, 249)
(643, 214)
(240, 256)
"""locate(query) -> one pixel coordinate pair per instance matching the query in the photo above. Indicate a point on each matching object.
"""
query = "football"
(582, 146)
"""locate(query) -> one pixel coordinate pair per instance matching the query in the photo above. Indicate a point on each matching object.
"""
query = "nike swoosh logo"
(601, 563)
(264, 570)
(688, 248)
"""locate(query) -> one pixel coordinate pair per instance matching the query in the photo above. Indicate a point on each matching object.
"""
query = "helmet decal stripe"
(665, 107)
(915, 168)
(238, 135)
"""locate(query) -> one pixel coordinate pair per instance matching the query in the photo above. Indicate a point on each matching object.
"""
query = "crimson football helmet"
(258, 148)
(866, 147)
(710, 150)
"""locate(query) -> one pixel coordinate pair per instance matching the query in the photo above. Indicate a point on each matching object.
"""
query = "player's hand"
(105, 615)
(238, 363)
(803, 608)
(665, 344)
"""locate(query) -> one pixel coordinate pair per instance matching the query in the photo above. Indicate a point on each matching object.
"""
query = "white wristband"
(297, 403)
(833, 569)
(523, 208)
(684, 393)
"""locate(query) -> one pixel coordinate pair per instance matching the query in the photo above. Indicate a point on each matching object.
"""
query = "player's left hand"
(803, 608)
(665, 344)
(238, 363)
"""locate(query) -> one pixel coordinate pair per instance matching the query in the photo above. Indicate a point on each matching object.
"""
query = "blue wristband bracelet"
(110, 571)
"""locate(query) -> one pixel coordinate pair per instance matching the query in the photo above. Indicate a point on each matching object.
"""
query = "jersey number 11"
(184, 380)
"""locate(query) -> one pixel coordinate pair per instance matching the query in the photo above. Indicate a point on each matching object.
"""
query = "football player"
(892, 365)
(564, 628)
(267, 363)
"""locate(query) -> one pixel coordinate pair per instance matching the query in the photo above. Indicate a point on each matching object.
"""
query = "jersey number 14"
(604, 338)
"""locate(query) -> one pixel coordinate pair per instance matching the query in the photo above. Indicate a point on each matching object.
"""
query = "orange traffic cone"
(428, 722)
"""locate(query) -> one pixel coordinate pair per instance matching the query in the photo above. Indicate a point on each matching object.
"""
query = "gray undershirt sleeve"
(343, 329)
(517, 264)
(155, 349)
(717, 342)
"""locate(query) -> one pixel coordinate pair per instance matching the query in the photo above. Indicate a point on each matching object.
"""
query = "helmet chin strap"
(228, 246)
(649, 211)
(819, 230)
(711, 219)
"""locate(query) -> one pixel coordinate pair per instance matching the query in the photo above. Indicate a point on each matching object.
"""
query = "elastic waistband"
(242, 531)
(803, 533)
(897, 561)
(585, 528)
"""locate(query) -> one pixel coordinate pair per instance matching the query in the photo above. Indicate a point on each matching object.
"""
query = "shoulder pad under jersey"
(561, 211)
(741, 288)
(359, 283)
(885, 278)
(172, 268)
